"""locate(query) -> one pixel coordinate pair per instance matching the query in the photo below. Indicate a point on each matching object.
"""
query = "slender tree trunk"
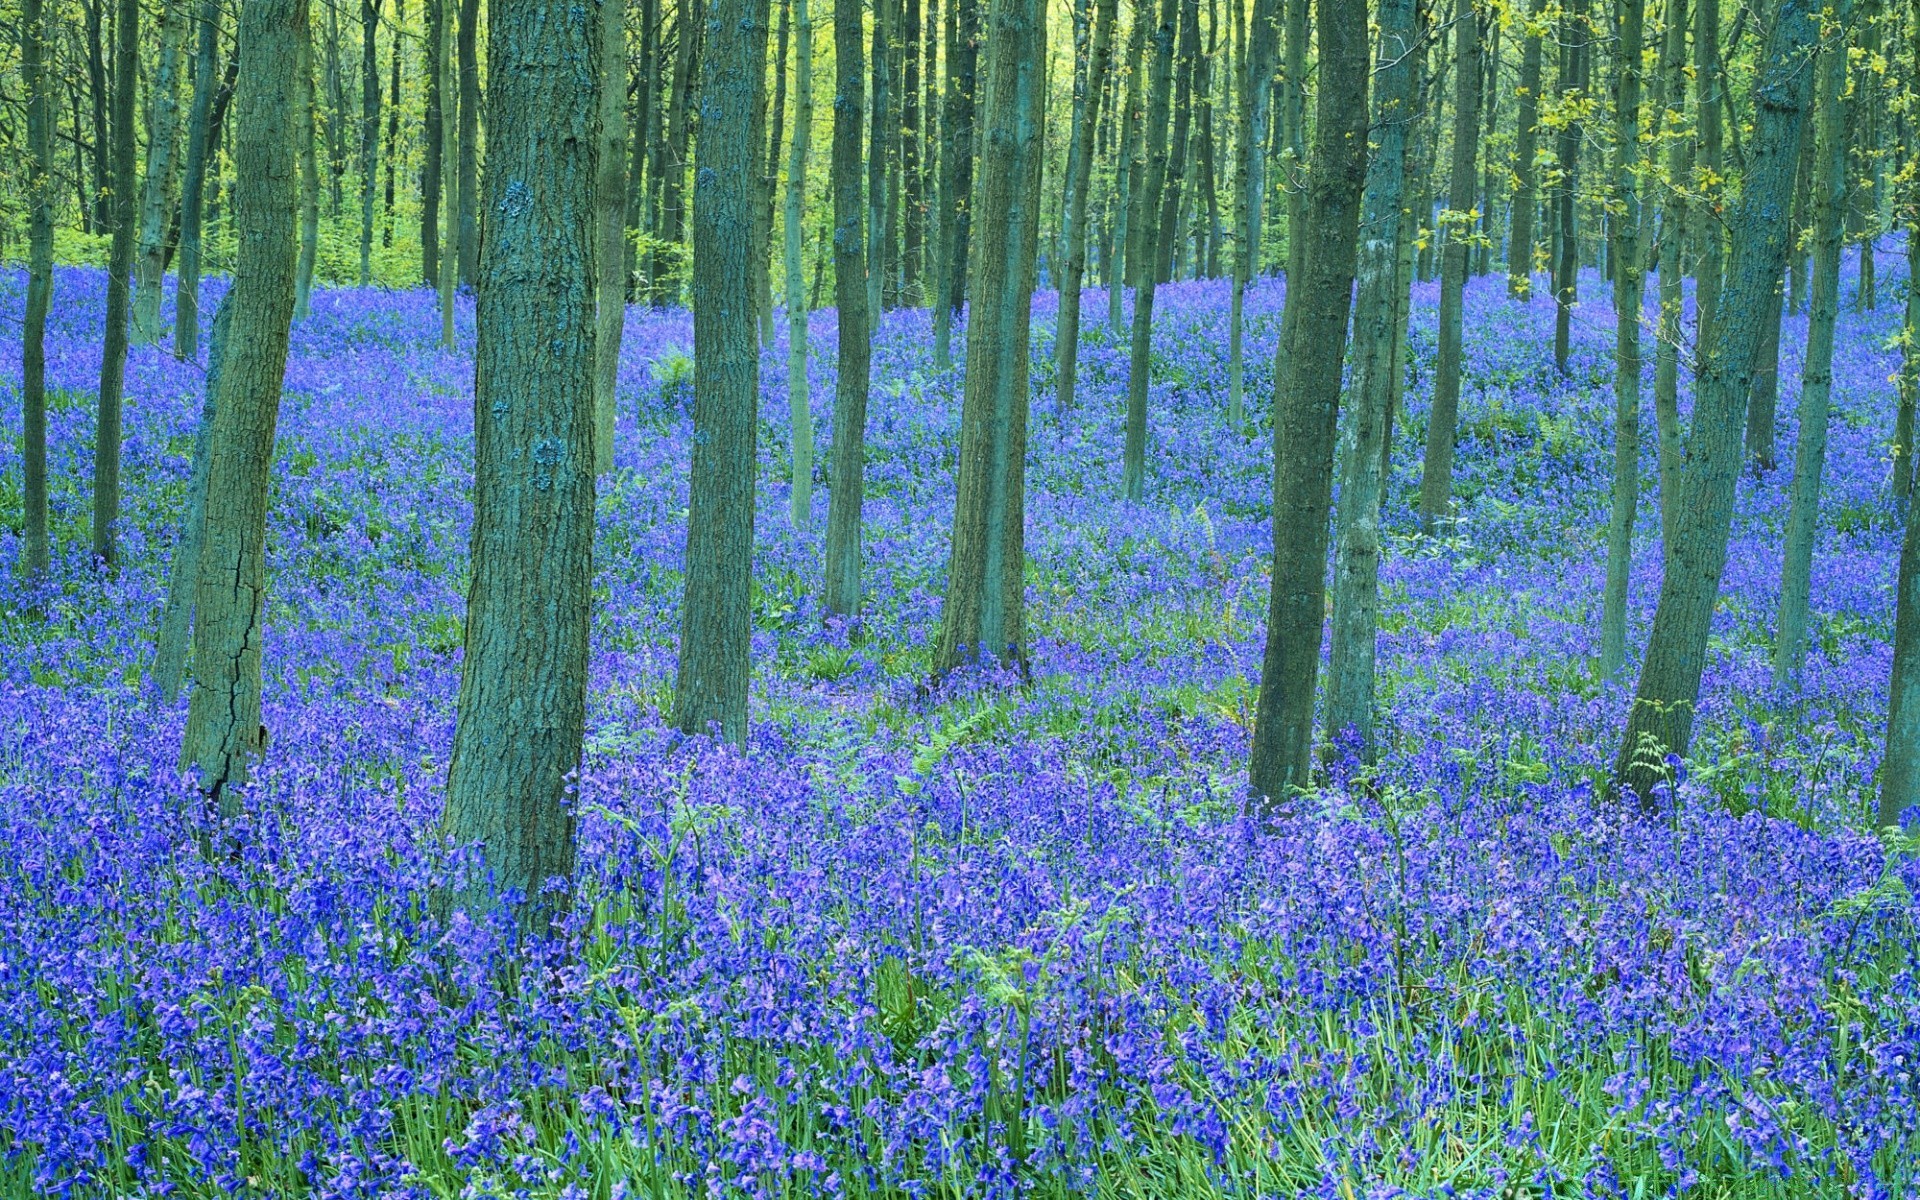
(150, 258)
(1293, 132)
(717, 621)
(799, 402)
(852, 295)
(1763, 405)
(1797, 257)
(1129, 170)
(1089, 86)
(1356, 569)
(467, 47)
(224, 734)
(432, 140)
(1168, 228)
(336, 115)
(770, 181)
(1816, 373)
(33, 353)
(1708, 85)
(1306, 409)
(1436, 477)
(1576, 40)
(183, 573)
(99, 88)
(912, 218)
(876, 163)
(1673, 240)
(113, 358)
(673, 181)
(610, 217)
(206, 74)
(393, 122)
(1250, 165)
(449, 280)
(985, 613)
(1520, 236)
(956, 170)
(523, 688)
(1900, 764)
(1144, 223)
(305, 134)
(1629, 290)
(1901, 484)
(369, 130)
(1489, 117)
(1661, 721)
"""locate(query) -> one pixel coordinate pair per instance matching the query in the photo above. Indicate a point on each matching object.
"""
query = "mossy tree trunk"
(610, 218)
(1093, 47)
(851, 294)
(799, 402)
(33, 340)
(193, 183)
(1629, 289)
(113, 357)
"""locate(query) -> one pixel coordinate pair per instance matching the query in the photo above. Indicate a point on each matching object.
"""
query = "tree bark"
(1763, 405)
(1293, 132)
(1089, 85)
(1708, 85)
(1816, 373)
(799, 403)
(1306, 404)
(1250, 166)
(610, 217)
(1661, 721)
(186, 298)
(33, 353)
(1144, 229)
(113, 358)
(523, 686)
(851, 294)
(1673, 240)
(716, 625)
(956, 173)
(224, 734)
(433, 142)
(1168, 227)
(985, 613)
(183, 573)
(1520, 235)
(912, 216)
(1356, 569)
(449, 280)
(1131, 163)
(1576, 41)
(1901, 483)
(1629, 290)
(878, 137)
(305, 134)
(769, 183)
(163, 109)
(369, 130)
(1436, 476)
(392, 157)
(467, 47)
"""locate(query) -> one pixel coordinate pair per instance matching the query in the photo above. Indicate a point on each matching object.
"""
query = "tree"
(369, 130)
(1520, 238)
(449, 266)
(1436, 477)
(851, 294)
(1356, 570)
(186, 302)
(1900, 766)
(224, 733)
(799, 404)
(881, 121)
(716, 623)
(467, 47)
(1673, 238)
(1250, 166)
(1313, 341)
(1576, 39)
(33, 347)
(150, 258)
(1661, 720)
(306, 133)
(956, 173)
(433, 142)
(1144, 229)
(1629, 290)
(113, 357)
(1089, 85)
(1816, 374)
(523, 687)
(610, 217)
(1708, 87)
(985, 611)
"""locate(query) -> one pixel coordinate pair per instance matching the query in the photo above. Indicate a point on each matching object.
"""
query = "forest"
(932, 599)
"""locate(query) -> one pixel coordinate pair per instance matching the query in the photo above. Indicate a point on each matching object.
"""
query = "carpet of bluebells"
(996, 941)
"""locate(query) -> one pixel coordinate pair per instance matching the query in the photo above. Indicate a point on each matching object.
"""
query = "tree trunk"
(183, 573)
(1816, 373)
(1576, 40)
(1708, 85)
(33, 342)
(1144, 221)
(1356, 569)
(1673, 240)
(1763, 405)
(393, 121)
(99, 88)
(1089, 85)
(851, 294)
(224, 733)
(769, 183)
(449, 280)
(716, 624)
(799, 403)
(956, 172)
(667, 273)
(336, 115)
(113, 358)
(305, 134)
(1293, 132)
(610, 221)
(1629, 290)
(1436, 476)
(1520, 237)
(985, 615)
(1130, 170)
(186, 299)
(1306, 406)
(467, 47)
(1661, 721)
(163, 109)
(877, 139)
(1168, 227)
(433, 142)
(523, 688)
(1250, 166)
(369, 130)
(912, 219)
(1901, 483)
